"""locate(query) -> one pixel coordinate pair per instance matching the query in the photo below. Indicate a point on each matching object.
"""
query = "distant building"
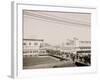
(84, 47)
(76, 46)
(32, 47)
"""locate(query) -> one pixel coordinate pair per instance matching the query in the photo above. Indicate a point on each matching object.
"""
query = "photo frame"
(35, 24)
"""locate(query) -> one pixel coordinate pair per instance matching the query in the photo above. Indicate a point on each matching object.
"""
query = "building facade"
(33, 47)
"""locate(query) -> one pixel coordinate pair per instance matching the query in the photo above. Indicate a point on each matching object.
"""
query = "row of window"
(30, 43)
(85, 47)
(88, 51)
(35, 51)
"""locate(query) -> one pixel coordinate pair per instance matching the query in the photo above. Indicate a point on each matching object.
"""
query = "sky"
(43, 25)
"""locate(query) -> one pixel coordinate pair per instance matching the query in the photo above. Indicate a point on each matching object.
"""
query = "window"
(24, 43)
(29, 43)
(41, 45)
(30, 51)
(35, 43)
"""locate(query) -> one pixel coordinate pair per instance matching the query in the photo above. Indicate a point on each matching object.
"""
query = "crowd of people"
(79, 57)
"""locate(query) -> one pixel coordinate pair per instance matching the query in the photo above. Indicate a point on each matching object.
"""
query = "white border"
(17, 70)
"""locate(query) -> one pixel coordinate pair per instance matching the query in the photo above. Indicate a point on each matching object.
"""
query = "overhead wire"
(62, 18)
(54, 18)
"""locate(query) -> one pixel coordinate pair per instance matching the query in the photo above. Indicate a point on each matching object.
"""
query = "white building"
(77, 46)
(84, 47)
(33, 47)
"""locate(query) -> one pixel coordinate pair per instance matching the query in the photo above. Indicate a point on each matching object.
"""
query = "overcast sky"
(43, 25)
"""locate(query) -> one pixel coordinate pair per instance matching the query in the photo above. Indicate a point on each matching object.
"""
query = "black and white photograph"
(54, 39)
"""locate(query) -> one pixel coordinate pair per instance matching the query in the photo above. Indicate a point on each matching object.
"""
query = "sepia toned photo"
(53, 39)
